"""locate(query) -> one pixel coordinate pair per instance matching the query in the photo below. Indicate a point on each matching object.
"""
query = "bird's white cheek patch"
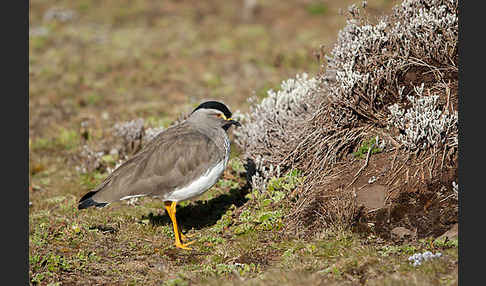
(199, 186)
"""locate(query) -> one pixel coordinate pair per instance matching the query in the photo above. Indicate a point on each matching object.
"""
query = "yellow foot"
(184, 245)
(186, 237)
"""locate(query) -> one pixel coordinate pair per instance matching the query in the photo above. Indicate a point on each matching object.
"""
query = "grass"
(238, 238)
(119, 61)
(317, 8)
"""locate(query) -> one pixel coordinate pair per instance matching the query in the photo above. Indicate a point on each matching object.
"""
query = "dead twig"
(398, 171)
(448, 93)
(390, 192)
(392, 140)
(393, 161)
(416, 172)
(364, 166)
(443, 157)
(431, 167)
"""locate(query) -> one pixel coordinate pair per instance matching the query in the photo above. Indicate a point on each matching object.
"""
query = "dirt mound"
(418, 194)
(382, 111)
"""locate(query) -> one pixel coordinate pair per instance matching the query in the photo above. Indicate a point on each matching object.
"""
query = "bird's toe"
(184, 245)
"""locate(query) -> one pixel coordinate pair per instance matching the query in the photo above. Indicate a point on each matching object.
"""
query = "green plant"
(267, 208)
(388, 250)
(68, 139)
(91, 179)
(225, 221)
(362, 151)
(446, 243)
(50, 262)
(39, 277)
(277, 188)
(237, 165)
(41, 143)
(176, 282)
(224, 183)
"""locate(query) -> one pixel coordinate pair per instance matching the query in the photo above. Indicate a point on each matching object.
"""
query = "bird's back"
(173, 159)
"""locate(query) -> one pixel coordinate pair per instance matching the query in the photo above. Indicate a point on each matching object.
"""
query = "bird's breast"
(198, 186)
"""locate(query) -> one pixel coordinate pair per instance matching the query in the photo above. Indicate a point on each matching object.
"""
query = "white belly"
(199, 186)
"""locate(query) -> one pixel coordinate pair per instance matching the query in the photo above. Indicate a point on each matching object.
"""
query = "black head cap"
(215, 105)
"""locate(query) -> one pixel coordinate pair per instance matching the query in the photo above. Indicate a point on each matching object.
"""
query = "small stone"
(401, 233)
(114, 152)
(372, 197)
(372, 180)
(105, 115)
(452, 233)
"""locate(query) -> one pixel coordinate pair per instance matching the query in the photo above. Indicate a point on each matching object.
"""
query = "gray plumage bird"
(180, 163)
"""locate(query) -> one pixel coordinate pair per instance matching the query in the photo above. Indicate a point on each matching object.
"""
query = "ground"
(94, 64)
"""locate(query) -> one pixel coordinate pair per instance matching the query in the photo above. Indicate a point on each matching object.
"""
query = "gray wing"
(170, 161)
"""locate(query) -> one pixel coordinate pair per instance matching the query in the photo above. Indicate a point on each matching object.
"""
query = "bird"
(180, 163)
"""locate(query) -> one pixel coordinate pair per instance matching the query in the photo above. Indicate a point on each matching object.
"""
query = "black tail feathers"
(86, 201)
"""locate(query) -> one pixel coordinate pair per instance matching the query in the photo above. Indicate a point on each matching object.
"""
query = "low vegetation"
(344, 176)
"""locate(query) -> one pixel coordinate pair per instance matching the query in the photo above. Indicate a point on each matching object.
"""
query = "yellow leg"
(181, 235)
(184, 237)
(171, 210)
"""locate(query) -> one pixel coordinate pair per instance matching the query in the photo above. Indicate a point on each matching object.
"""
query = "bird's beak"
(233, 122)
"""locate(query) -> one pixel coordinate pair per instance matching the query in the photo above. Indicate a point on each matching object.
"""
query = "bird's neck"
(218, 135)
